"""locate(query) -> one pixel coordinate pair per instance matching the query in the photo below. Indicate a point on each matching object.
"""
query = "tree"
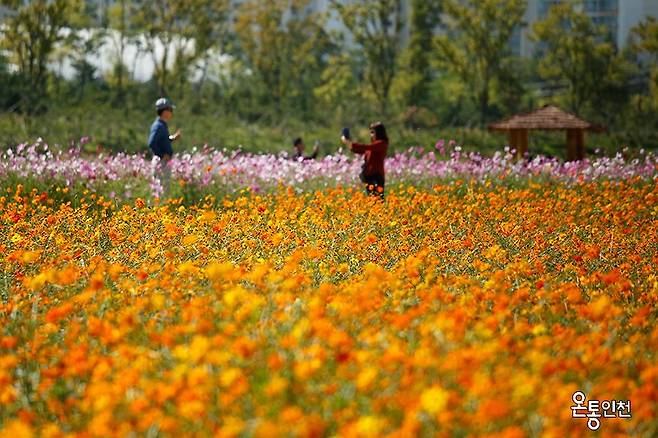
(82, 39)
(475, 44)
(425, 16)
(645, 44)
(80, 48)
(339, 89)
(30, 36)
(122, 32)
(640, 117)
(285, 45)
(160, 22)
(377, 27)
(9, 97)
(177, 33)
(647, 34)
(579, 56)
(210, 24)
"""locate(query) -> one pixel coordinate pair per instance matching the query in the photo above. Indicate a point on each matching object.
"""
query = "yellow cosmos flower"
(190, 239)
(366, 378)
(16, 429)
(434, 400)
(370, 426)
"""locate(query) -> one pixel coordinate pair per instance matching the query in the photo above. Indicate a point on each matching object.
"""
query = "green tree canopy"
(645, 44)
(579, 56)
(475, 45)
(424, 18)
(123, 31)
(178, 33)
(30, 36)
(377, 28)
(285, 46)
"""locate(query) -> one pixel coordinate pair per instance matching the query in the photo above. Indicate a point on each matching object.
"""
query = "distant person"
(374, 154)
(160, 142)
(299, 147)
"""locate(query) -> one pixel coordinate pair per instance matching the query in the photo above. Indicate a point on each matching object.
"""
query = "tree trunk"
(484, 101)
(198, 87)
(162, 86)
(122, 48)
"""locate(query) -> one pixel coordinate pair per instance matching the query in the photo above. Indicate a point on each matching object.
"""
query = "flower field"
(460, 306)
(204, 172)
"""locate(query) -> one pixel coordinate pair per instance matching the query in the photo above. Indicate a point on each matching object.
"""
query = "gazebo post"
(575, 144)
(512, 138)
(523, 143)
(518, 140)
(580, 145)
(571, 145)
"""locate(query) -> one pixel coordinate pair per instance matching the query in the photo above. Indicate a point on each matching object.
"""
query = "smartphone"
(346, 133)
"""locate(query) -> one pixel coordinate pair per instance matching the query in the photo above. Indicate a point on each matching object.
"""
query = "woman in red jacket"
(374, 154)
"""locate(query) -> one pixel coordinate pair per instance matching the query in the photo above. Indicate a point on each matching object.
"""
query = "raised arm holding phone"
(299, 147)
(374, 155)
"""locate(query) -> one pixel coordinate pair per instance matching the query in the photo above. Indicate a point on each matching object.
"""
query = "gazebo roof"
(548, 118)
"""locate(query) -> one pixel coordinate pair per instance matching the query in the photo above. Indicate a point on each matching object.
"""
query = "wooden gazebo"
(547, 118)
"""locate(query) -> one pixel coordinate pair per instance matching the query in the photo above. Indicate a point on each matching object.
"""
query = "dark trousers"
(374, 184)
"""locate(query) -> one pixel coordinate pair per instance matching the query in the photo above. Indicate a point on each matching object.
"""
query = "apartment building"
(632, 12)
(618, 16)
(4, 11)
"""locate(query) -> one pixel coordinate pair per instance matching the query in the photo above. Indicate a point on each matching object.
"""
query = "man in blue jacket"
(160, 141)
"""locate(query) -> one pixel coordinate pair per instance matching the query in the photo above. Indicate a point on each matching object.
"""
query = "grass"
(126, 130)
